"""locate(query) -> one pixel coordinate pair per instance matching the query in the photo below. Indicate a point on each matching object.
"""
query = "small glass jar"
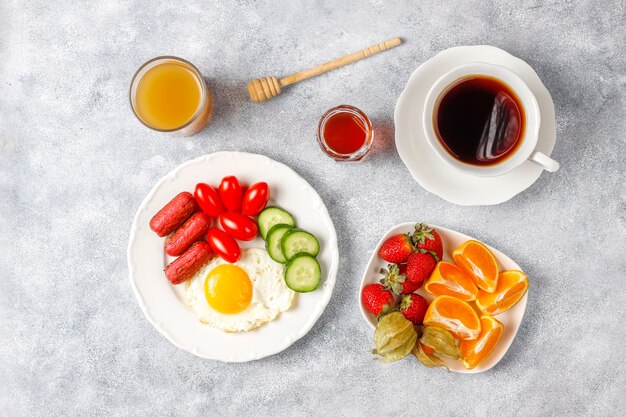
(198, 120)
(345, 134)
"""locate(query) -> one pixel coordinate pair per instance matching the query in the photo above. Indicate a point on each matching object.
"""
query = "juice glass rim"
(196, 72)
(369, 133)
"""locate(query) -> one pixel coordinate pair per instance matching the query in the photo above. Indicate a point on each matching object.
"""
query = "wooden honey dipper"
(265, 88)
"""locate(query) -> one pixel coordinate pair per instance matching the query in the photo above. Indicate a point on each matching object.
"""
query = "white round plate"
(511, 318)
(163, 304)
(434, 174)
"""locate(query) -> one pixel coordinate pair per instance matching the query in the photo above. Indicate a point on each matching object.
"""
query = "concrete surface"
(75, 165)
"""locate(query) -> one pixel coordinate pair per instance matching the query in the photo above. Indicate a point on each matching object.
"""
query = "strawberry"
(395, 279)
(427, 238)
(396, 249)
(420, 265)
(414, 307)
(377, 300)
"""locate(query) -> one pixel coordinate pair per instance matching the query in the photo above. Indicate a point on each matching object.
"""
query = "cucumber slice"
(297, 241)
(272, 243)
(272, 216)
(303, 273)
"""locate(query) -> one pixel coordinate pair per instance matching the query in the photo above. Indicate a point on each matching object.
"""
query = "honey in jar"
(345, 133)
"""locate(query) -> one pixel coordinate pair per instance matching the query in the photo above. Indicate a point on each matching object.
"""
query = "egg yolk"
(228, 289)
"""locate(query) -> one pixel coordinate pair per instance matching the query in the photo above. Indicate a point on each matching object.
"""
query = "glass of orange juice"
(168, 94)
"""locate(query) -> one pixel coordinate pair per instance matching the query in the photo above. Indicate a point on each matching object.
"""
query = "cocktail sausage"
(192, 230)
(173, 214)
(186, 265)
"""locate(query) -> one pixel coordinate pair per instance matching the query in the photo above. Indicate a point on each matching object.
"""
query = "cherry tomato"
(238, 225)
(208, 199)
(255, 199)
(231, 193)
(224, 245)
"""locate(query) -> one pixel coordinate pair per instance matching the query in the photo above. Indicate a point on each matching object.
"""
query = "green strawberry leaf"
(421, 233)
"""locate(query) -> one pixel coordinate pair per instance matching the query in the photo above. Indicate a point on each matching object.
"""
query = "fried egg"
(242, 296)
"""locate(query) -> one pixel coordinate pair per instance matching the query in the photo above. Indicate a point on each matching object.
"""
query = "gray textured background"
(75, 165)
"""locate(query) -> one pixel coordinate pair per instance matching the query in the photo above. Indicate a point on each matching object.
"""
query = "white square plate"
(511, 319)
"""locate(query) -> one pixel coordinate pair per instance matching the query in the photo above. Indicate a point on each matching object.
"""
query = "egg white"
(270, 294)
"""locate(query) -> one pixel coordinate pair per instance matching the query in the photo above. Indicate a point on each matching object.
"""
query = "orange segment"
(454, 315)
(449, 279)
(474, 258)
(512, 285)
(473, 352)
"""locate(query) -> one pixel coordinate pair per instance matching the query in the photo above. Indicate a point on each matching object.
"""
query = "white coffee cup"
(524, 151)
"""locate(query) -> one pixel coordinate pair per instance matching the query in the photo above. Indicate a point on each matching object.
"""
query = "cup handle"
(544, 161)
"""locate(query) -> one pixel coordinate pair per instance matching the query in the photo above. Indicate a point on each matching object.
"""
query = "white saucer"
(428, 169)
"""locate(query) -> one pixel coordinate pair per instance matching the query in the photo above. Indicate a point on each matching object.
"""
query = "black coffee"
(480, 120)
